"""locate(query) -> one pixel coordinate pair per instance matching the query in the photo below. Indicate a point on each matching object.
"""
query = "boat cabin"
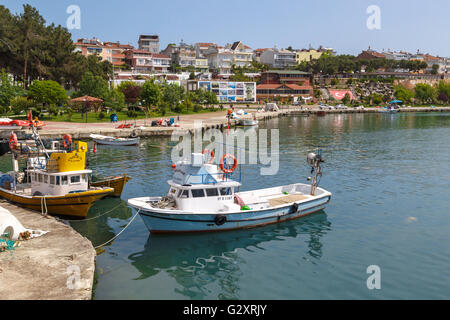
(59, 183)
(198, 186)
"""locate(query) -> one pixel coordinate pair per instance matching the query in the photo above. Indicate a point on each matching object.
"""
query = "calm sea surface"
(390, 179)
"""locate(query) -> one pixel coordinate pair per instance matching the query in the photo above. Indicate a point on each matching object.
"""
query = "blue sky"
(340, 24)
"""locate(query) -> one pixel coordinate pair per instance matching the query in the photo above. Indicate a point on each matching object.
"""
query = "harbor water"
(390, 179)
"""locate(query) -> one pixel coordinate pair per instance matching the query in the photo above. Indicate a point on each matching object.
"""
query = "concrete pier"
(46, 268)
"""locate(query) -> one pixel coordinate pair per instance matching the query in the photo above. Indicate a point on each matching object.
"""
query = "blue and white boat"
(203, 197)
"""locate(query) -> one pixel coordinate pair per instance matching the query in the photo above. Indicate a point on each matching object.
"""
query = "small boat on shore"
(202, 197)
(115, 182)
(115, 141)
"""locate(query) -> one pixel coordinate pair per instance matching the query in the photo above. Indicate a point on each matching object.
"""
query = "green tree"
(47, 92)
(114, 99)
(403, 94)
(425, 93)
(8, 90)
(94, 86)
(172, 94)
(435, 69)
(346, 99)
(151, 94)
(30, 27)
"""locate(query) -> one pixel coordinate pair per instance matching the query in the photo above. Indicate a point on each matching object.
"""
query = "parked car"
(341, 107)
(359, 108)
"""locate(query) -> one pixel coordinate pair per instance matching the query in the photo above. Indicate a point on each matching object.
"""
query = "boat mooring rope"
(44, 205)
(96, 217)
(120, 231)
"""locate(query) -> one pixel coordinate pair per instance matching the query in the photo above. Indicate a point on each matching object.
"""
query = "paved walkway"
(40, 268)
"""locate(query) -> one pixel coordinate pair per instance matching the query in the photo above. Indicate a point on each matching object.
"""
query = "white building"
(223, 58)
(278, 58)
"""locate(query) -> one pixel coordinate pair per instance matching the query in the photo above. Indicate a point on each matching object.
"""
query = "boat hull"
(73, 205)
(112, 142)
(117, 183)
(159, 223)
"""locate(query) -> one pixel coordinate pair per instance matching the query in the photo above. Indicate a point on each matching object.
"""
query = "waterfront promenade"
(208, 120)
(40, 268)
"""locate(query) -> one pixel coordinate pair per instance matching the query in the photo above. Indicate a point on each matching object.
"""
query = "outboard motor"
(314, 160)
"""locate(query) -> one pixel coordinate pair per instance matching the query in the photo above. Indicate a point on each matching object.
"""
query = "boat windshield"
(225, 191)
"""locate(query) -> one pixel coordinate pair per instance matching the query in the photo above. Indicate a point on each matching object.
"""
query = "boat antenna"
(38, 139)
(314, 160)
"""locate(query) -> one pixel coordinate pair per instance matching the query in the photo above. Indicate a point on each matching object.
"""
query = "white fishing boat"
(203, 197)
(248, 122)
(115, 141)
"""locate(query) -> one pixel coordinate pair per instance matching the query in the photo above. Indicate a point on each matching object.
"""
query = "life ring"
(13, 143)
(220, 220)
(67, 141)
(134, 134)
(212, 155)
(222, 167)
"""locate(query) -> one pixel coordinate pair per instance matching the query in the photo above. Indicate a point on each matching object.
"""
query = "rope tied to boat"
(121, 231)
(96, 217)
(44, 206)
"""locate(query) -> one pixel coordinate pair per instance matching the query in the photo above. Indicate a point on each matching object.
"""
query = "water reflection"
(99, 230)
(200, 260)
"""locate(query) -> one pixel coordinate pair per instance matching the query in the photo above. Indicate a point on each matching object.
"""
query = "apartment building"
(201, 47)
(113, 52)
(161, 63)
(183, 55)
(278, 58)
(223, 58)
(140, 61)
(149, 43)
(143, 61)
(307, 55)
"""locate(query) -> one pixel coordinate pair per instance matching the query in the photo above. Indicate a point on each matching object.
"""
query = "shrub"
(22, 105)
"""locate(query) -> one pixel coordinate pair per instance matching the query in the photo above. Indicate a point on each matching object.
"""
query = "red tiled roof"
(277, 86)
(140, 51)
(205, 44)
(160, 56)
(429, 57)
(172, 77)
(260, 50)
(294, 86)
(268, 86)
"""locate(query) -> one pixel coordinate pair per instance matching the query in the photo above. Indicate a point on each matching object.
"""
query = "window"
(45, 178)
(198, 193)
(212, 192)
(74, 179)
(58, 180)
(183, 194)
(52, 180)
(225, 191)
(64, 180)
(40, 177)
